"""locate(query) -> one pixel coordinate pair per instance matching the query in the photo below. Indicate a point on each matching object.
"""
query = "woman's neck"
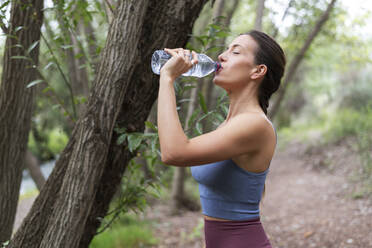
(242, 101)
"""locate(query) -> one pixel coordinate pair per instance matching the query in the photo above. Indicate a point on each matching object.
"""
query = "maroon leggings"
(235, 234)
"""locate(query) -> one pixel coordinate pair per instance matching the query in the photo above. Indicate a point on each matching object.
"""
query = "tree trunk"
(298, 59)
(16, 103)
(259, 14)
(32, 164)
(67, 211)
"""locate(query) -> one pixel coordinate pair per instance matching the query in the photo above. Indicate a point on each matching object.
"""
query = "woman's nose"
(221, 57)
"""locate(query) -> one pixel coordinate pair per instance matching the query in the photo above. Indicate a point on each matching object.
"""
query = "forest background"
(52, 86)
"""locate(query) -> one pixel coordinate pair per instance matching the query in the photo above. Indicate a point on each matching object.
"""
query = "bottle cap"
(217, 66)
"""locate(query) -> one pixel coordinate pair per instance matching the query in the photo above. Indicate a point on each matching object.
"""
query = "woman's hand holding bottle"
(179, 63)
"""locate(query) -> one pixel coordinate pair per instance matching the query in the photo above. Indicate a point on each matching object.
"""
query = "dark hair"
(270, 54)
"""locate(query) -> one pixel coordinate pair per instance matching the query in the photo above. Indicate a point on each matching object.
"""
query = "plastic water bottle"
(204, 66)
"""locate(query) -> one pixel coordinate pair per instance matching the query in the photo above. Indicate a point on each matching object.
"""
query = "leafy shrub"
(349, 122)
(128, 232)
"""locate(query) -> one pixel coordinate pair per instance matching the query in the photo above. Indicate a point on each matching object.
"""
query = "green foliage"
(349, 122)
(57, 140)
(5, 244)
(142, 177)
(126, 232)
(48, 144)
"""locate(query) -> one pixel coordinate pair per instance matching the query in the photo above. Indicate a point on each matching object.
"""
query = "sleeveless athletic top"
(228, 191)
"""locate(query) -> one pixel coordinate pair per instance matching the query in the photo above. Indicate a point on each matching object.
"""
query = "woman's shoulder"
(252, 124)
(253, 118)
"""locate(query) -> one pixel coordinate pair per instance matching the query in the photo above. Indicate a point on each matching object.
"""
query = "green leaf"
(18, 28)
(202, 103)
(214, 49)
(215, 26)
(4, 4)
(67, 46)
(17, 45)
(20, 57)
(120, 129)
(5, 244)
(134, 141)
(11, 36)
(33, 45)
(193, 117)
(225, 109)
(151, 125)
(79, 55)
(199, 128)
(222, 34)
(35, 82)
(219, 117)
(48, 65)
(121, 139)
(46, 89)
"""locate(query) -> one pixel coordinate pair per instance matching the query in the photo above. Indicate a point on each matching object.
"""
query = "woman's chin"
(216, 80)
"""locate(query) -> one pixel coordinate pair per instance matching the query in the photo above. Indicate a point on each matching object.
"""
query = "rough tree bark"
(80, 188)
(16, 103)
(259, 14)
(298, 59)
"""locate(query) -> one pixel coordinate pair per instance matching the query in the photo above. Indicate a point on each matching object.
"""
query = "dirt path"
(304, 206)
(307, 207)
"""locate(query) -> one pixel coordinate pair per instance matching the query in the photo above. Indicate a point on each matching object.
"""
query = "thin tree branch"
(259, 14)
(298, 58)
(276, 29)
(63, 76)
(110, 7)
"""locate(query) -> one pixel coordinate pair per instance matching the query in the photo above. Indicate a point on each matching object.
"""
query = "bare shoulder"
(250, 122)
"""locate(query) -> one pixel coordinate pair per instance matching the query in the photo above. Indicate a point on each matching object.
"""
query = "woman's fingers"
(194, 58)
(172, 52)
(187, 56)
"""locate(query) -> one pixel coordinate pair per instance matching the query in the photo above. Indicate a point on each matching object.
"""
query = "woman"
(231, 162)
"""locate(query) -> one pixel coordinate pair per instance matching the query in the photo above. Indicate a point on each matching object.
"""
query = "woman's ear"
(259, 71)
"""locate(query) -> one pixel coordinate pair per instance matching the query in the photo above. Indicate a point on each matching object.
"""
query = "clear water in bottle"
(204, 66)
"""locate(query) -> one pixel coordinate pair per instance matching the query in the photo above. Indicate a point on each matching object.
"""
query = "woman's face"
(237, 63)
